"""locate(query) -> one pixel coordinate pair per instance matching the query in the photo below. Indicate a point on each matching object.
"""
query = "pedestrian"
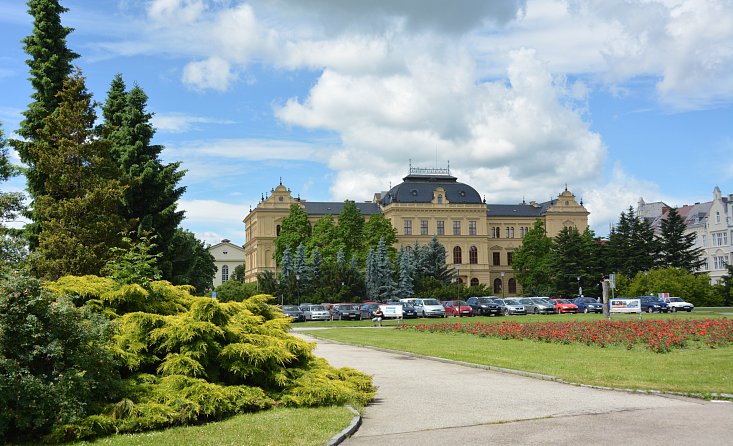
(378, 315)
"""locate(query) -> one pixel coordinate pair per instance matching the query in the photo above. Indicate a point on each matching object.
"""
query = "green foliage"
(694, 288)
(13, 251)
(238, 273)
(190, 261)
(322, 385)
(632, 246)
(531, 261)
(677, 248)
(232, 290)
(133, 264)
(55, 367)
(294, 230)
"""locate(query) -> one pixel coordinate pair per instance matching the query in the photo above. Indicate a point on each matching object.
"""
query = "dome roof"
(420, 188)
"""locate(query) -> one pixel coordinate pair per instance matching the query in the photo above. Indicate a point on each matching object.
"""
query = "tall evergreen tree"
(13, 249)
(632, 246)
(79, 207)
(191, 262)
(677, 248)
(50, 64)
(405, 288)
(432, 261)
(566, 261)
(152, 194)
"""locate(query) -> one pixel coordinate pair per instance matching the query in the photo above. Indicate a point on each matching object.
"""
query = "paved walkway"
(426, 402)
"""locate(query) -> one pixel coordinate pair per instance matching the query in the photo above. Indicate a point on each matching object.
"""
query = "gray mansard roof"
(417, 188)
(335, 208)
(519, 210)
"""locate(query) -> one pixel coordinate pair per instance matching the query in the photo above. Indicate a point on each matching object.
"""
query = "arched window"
(497, 286)
(278, 230)
(224, 273)
(457, 255)
(440, 198)
(512, 286)
(474, 282)
(473, 255)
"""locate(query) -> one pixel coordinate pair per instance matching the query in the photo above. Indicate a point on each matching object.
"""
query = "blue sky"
(618, 100)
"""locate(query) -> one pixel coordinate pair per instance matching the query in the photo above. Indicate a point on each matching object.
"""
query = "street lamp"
(580, 290)
(502, 284)
(297, 287)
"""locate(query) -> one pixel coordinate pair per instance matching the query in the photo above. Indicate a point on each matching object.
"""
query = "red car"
(457, 308)
(564, 306)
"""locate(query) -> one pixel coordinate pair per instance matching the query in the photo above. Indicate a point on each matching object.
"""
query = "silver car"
(537, 305)
(316, 313)
(511, 306)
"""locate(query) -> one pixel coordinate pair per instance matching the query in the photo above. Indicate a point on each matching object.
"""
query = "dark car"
(651, 304)
(294, 312)
(345, 311)
(587, 304)
(484, 306)
(408, 310)
(366, 311)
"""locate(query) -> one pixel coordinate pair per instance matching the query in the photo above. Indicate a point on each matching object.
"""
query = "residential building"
(227, 256)
(479, 238)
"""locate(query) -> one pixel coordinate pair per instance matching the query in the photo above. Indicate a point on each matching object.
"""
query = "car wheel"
(674, 309)
(650, 310)
(423, 314)
(536, 310)
(689, 310)
(585, 310)
(506, 312)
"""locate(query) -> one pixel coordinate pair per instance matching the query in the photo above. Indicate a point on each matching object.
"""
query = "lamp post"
(646, 282)
(297, 287)
(580, 290)
(502, 284)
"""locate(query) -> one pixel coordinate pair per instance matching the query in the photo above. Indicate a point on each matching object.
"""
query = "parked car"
(587, 304)
(429, 308)
(408, 310)
(294, 312)
(457, 308)
(510, 306)
(345, 311)
(537, 305)
(564, 306)
(366, 311)
(316, 313)
(651, 304)
(484, 306)
(677, 304)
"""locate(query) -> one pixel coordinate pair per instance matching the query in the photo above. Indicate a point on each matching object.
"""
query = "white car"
(316, 313)
(429, 308)
(677, 304)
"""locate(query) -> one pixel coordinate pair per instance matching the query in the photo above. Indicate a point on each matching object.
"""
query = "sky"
(615, 100)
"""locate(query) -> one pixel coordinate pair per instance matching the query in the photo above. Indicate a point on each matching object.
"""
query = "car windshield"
(318, 308)
(346, 307)
(485, 300)
(291, 308)
(511, 302)
(539, 300)
(675, 299)
(499, 301)
(431, 302)
(526, 301)
(563, 301)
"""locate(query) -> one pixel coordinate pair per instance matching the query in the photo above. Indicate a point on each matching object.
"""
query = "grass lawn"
(305, 426)
(693, 370)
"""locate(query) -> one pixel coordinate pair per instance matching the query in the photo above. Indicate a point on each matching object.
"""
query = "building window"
(408, 227)
(441, 227)
(497, 286)
(509, 258)
(474, 282)
(224, 273)
(277, 230)
(496, 258)
(720, 238)
(473, 255)
(472, 227)
(704, 240)
(456, 227)
(509, 232)
(423, 227)
(523, 230)
(440, 199)
(512, 286)
(495, 232)
(717, 217)
(720, 262)
(705, 265)
(457, 255)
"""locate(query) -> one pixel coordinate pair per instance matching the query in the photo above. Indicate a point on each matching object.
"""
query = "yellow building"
(479, 238)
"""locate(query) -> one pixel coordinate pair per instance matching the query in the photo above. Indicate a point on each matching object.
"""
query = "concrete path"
(426, 402)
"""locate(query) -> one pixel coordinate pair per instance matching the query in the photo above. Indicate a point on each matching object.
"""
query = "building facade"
(479, 238)
(227, 256)
(712, 224)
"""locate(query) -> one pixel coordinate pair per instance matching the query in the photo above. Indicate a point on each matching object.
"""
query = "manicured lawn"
(691, 370)
(309, 426)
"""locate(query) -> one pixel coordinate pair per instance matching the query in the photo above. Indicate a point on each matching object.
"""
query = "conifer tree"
(50, 64)
(566, 261)
(677, 248)
(294, 230)
(12, 246)
(79, 207)
(405, 288)
(152, 194)
(532, 259)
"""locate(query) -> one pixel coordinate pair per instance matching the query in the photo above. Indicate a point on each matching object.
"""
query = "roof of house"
(335, 208)
(419, 188)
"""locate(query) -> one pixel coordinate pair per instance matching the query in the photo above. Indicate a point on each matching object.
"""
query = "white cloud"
(214, 73)
(181, 122)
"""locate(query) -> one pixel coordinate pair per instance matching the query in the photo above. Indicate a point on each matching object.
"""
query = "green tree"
(134, 263)
(152, 193)
(632, 246)
(324, 237)
(192, 263)
(694, 288)
(50, 64)
(294, 230)
(13, 251)
(233, 291)
(351, 231)
(239, 272)
(566, 261)
(79, 209)
(677, 248)
(531, 261)
(377, 228)
(406, 288)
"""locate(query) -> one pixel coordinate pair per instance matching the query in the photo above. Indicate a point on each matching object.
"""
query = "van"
(429, 308)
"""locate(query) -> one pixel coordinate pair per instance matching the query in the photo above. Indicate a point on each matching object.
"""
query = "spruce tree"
(79, 208)
(152, 194)
(50, 64)
(405, 287)
(566, 261)
(677, 248)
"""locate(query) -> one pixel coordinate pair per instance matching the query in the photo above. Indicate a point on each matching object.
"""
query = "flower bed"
(658, 335)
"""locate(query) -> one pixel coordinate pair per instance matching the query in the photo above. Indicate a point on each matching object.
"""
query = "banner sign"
(625, 306)
(392, 311)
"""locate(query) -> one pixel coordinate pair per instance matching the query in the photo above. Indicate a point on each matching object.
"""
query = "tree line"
(642, 261)
(93, 186)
